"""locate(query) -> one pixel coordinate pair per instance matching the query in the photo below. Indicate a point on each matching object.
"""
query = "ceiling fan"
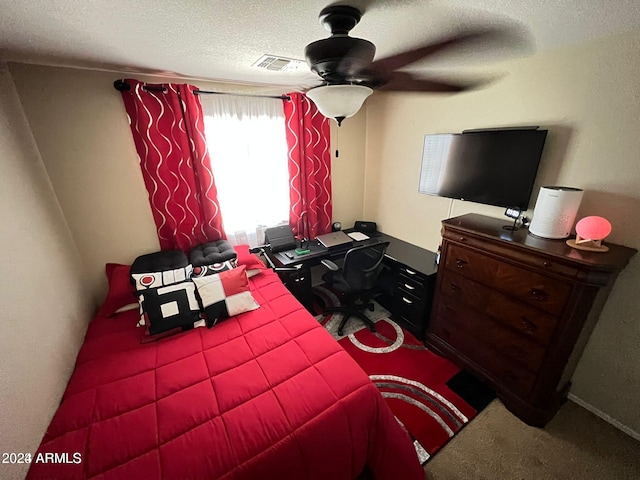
(350, 74)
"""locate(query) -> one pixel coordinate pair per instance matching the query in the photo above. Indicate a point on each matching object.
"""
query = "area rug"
(431, 397)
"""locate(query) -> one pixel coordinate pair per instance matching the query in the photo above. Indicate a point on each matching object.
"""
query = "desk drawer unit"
(411, 297)
(299, 284)
(513, 309)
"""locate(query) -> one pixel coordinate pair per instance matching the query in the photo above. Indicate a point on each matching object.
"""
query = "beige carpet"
(574, 445)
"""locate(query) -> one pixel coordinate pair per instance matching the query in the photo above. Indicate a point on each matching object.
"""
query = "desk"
(406, 284)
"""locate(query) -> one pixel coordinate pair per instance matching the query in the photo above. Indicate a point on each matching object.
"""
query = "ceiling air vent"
(279, 64)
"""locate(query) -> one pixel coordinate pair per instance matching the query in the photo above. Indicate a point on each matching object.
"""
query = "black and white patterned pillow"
(171, 308)
(143, 281)
(154, 280)
(212, 269)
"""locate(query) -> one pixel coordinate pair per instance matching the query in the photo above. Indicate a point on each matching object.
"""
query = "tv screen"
(494, 167)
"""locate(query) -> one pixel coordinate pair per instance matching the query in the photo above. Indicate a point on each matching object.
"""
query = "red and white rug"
(430, 396)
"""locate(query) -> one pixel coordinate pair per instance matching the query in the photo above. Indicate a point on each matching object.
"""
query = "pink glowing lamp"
(590, 231)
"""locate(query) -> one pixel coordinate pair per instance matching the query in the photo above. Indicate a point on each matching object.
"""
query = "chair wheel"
(372, 328)
(340, 332)
(371, 307)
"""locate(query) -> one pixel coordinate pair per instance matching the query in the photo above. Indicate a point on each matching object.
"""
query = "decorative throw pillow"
(143, 281)
(249, 260)
(153, 280)
(204, 270)
(121, 296)
(225, 294)
(171, 309)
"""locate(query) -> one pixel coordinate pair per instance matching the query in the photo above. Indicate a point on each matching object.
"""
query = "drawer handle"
(547, 264)
(406, 300)
(463, 239)
(409, 286)
(410, 272)
(460, 263)
(538, 294)
(454, 287)
(529, 325)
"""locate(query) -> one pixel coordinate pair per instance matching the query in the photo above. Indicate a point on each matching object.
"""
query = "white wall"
(587, 97)
(81, 128)
(44, 307)
(347, 170)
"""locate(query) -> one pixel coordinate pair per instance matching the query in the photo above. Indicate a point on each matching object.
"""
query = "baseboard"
(599, 413)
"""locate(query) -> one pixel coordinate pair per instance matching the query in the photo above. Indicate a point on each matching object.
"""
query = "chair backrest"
(363, 264)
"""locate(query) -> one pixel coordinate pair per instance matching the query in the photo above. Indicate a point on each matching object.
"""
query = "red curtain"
(168, 130)
(308, 137)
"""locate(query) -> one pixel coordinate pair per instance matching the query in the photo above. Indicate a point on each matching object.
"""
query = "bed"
(267, 394)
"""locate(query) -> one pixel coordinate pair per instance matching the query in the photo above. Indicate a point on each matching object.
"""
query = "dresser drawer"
(471, 264)
(540, 261)
(493, 334)
(538, 290)
(463, 290)
(503, 369)
(519, 316)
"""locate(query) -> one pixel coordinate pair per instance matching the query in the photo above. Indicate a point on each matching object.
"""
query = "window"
(247, 145)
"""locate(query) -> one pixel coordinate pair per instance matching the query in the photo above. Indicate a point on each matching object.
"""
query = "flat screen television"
(494, 167)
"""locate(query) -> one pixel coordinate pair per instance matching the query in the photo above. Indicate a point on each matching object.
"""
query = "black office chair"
(356, 280)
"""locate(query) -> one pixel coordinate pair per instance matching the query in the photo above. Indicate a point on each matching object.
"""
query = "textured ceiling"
(220, 40)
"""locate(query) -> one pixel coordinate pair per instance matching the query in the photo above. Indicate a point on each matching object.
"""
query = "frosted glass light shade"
(339, 101)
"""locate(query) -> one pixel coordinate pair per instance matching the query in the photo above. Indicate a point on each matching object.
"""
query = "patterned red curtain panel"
(308, 136)
(168, 130)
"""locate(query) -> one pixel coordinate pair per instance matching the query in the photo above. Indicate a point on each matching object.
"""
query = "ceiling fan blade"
(476, 37)
(405, 82)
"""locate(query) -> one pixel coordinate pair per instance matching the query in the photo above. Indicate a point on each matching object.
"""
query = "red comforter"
(265, 395)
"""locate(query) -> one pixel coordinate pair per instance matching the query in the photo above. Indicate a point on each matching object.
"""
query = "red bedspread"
(265, 395)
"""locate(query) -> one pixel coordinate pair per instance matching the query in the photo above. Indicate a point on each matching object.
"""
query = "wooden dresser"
(517, 310)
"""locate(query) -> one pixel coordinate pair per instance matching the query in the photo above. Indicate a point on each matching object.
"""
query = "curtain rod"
(123, 86)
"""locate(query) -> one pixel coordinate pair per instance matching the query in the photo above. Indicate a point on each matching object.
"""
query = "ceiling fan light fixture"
(339, 101)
